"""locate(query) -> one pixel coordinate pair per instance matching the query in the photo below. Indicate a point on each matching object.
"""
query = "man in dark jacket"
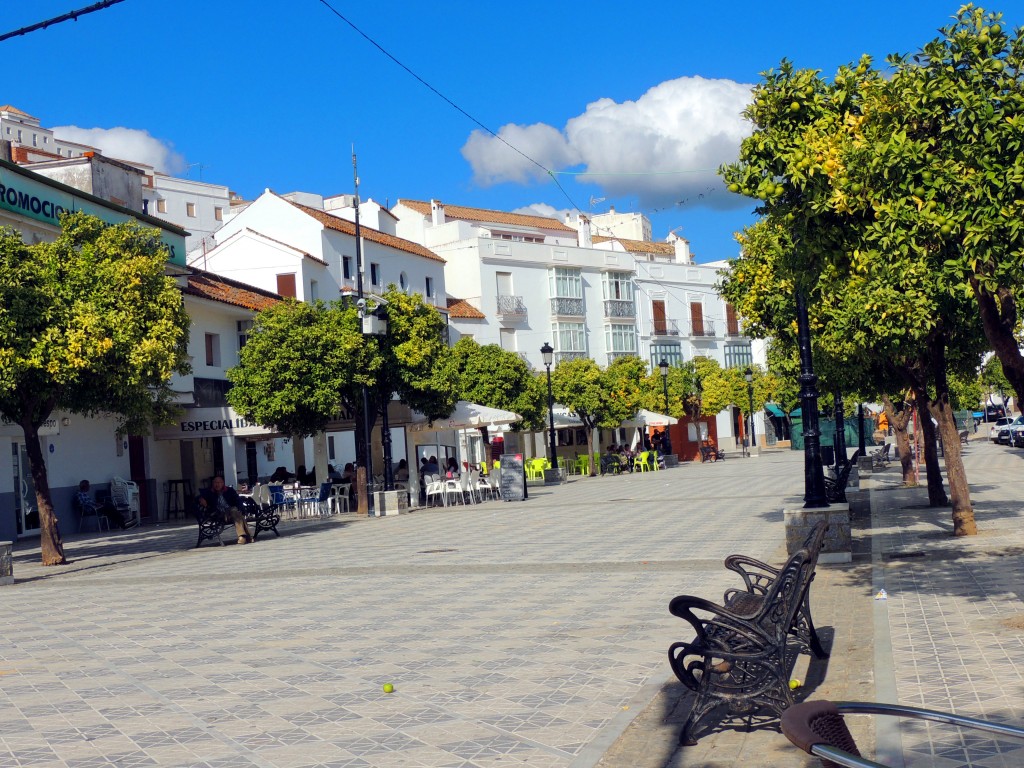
(225, 500)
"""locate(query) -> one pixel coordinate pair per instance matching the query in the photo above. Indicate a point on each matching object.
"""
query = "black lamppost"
(841, 457)
(548, 352)
(666, 441)
(814, 477)
(749, 376)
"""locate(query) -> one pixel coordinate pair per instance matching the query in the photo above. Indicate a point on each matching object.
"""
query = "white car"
(1003, 432)
(1000, 424)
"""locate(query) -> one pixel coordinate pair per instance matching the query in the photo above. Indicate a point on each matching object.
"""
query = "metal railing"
(511, 306)
(707, 330)
(665, 328)
(569, 307)
(613, 356)
(619, 308)
(561, 357)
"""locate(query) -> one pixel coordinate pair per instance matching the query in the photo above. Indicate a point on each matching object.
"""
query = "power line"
(70, 16)
(451, 103)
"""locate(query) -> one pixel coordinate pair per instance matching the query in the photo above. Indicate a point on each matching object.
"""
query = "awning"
(198, 423)
(774, 410)
(465, 416)
(644, 418)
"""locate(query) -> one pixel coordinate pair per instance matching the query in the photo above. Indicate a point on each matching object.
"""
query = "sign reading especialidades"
(43, 200)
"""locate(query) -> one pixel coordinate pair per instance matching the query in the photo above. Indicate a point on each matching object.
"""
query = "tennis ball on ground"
(389, 688)
(794, 684)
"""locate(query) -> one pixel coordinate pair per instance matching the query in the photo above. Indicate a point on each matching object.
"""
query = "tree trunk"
(49, 534)
(999, 321)
(936, 493)
(959, 490)
(900, 423)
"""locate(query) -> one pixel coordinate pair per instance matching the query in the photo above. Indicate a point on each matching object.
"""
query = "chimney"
(437, 212)
(586, 238)
(611, 209)
(683, 255)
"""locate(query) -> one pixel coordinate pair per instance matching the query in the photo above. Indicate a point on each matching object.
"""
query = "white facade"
(274, 237)
(196, 206)
(23, 129)
(634, 226)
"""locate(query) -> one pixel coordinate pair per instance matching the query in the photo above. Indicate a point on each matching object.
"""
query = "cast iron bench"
(212, 523)
(964, 436)
(835, 487)
(740, 656)
(880, 458)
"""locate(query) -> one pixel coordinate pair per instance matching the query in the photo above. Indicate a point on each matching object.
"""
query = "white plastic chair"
(483, 487)
(470, 482)
(453, 488)
(434, 487)
(339, 496)
(125, 496)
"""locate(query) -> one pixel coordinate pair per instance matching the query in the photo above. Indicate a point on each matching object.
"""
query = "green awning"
(774, 410)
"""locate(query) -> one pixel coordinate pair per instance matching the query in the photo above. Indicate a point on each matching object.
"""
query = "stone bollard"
(838, 544)
(6, 563)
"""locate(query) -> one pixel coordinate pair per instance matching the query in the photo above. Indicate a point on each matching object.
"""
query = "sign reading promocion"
(38, 198)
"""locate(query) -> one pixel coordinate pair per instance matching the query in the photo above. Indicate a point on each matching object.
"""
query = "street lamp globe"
(748, 375)
(663, 365)
(548, 352)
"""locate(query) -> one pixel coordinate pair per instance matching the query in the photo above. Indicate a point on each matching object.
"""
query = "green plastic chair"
(643, 462)
(583, 464)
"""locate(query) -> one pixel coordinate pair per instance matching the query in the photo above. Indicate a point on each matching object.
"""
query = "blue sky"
(266, 93)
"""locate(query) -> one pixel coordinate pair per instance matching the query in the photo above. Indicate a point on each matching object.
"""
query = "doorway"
(26, 515)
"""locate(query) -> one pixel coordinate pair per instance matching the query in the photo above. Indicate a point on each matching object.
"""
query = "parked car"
(994, 412)
(1002, 423)
(1003, 436)
(1017, 435)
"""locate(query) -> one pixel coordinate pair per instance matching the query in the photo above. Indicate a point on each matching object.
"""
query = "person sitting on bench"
(224, 499)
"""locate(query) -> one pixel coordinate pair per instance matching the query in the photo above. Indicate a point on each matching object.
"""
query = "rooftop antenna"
(200, 166)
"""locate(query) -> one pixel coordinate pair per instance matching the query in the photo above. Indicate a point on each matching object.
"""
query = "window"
(213, 350)
(286, 285)
(46, 139)
(218, 213)
(161, 205)
(35, 142)
(8, 130)
(618, 286)
(190, 210)
(374, 273)
(330, 448)
(403, 281)
(673, 353)
(570, 337)
(244, 326)
(621, 338)
(732, 324)
(19, 134)
(430, 287)
(565, 283)
(507, 337)
(737, 355)
(346, 267)
(314, 290)
(697, 318)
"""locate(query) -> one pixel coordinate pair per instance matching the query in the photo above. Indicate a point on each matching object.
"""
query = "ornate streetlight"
(814, 477)
(548, 353)
(666, 440)
(749, 376)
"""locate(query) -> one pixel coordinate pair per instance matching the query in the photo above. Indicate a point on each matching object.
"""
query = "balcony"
(619, 308)
(561, 357)
(708, 330)
(733, 333)
(567, 307)
(613, 356)
(510, 307)
(665, 328)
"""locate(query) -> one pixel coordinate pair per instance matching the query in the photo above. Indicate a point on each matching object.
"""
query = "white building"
(196, 206)
(520, 281)
(634, 226)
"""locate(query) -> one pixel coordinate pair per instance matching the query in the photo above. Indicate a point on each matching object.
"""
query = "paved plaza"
(514, 633)
(525, 633)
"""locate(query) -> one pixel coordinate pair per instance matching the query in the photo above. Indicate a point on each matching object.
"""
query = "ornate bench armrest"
(748, 568)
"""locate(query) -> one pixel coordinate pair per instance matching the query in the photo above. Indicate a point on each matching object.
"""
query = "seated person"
(452, 467)
(281, 475)
(348, 475)
(402, 473)
(87, 505)
(333, 474)
(432, 467)
(224, 499)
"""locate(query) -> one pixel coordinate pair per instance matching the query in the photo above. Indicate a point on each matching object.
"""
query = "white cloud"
(128, 144)
(662, 148)
(543, 209)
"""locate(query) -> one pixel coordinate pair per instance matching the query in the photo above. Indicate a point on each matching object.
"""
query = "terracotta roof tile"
(373, 235)
(463, 309)
(640, 246)
(489, 216)
(207, 285)
(15, 110)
